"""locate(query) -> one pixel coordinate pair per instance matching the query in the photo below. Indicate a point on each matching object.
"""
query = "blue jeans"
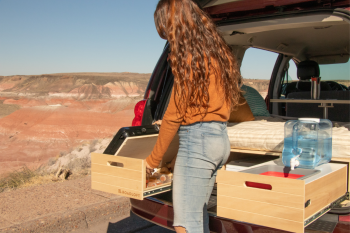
(204, 148)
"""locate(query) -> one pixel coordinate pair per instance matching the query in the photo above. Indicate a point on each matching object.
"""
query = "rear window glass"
(339, 73)
(256, 69)
(337, 76)
(258, 64)
(292, 71)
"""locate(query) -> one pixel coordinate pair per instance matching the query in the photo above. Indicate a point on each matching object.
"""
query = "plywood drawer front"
(116, 171)
(261, 195)
(125, 172)
(119, 175)
(117, 190)
(125, 162)
(282, 205)
(262, 208)
(123, 176)
(288, 186)
(118, 181)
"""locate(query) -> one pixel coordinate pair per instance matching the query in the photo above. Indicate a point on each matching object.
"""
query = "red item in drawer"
(282, 174)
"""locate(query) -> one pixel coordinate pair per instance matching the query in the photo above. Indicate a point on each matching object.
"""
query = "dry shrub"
(17, 178)
(39, 180)
(26, 177)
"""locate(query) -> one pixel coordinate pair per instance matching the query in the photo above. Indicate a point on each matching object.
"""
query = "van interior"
(308, 40)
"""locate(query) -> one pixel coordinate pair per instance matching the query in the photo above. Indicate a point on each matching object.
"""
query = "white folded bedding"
(267, 134)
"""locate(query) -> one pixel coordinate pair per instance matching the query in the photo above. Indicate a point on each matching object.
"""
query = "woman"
(206, 89)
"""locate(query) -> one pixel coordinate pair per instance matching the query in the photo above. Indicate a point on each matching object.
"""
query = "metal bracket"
(325, 107)
(156, 191)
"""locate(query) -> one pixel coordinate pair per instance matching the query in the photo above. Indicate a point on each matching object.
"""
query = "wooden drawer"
(290, 204)
(125, 173)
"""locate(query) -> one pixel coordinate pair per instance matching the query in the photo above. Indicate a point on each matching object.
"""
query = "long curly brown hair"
(196, 50)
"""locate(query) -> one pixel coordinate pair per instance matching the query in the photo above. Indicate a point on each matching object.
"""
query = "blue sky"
(58, 36)
(41, 36)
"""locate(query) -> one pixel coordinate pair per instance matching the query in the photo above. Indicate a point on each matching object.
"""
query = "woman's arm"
(170, 124)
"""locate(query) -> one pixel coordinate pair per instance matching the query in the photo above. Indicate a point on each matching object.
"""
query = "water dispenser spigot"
(294, 162)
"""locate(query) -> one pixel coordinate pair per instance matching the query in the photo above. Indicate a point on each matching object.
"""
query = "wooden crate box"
(290, 205)
(125, 173)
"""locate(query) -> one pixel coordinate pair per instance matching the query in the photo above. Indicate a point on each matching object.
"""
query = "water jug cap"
(310, 119)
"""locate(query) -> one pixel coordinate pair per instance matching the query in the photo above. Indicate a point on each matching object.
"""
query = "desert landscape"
(60, 117)
(47, 116)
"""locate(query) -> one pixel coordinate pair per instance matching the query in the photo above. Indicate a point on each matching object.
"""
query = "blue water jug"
(307, 143)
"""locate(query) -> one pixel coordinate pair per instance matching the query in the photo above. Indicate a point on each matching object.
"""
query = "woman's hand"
(149, 169)
(159, 122)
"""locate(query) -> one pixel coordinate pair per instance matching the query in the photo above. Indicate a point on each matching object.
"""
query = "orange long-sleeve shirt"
(218, 110)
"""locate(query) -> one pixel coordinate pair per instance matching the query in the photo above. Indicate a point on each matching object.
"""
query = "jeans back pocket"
(214, 147)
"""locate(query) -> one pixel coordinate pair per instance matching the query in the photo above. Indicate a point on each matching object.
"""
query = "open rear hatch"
(225, 9)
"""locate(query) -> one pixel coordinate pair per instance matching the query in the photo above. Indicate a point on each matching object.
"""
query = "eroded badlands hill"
(77, 85)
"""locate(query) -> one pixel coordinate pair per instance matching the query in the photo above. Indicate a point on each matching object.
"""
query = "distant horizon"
(126, 72)
(93, 72)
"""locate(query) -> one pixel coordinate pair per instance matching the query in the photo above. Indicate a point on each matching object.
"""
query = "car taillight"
(138, 110)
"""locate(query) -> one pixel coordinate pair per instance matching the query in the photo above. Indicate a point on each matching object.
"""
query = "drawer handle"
(258, 185)
(307, 203)
(115, 164)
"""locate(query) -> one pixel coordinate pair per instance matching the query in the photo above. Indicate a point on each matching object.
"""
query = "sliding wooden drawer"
(278, 202)
(125, 173)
